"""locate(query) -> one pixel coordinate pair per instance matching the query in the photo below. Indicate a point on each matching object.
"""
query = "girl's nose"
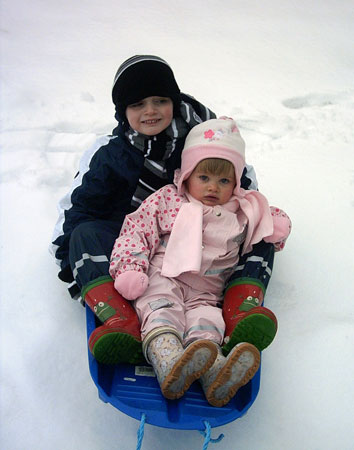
(212, 186)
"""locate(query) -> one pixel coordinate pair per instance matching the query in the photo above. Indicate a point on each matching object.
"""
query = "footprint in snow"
(310, 100)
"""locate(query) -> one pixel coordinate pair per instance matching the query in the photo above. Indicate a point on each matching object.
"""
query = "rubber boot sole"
(116, 348)
(240, 367)
(257, 329)
(197, 358)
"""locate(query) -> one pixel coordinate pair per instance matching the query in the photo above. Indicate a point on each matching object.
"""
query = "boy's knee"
(84, 230)
(93, 237)
(88, 237)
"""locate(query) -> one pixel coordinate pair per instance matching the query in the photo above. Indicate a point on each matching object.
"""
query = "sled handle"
(140, 432)
(206, 434)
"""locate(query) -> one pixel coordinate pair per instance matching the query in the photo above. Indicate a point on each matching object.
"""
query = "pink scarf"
(184, 248)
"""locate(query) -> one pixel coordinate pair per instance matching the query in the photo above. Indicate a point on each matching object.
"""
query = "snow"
(284, 71)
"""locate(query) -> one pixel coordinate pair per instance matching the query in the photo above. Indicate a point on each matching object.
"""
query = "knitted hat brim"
(192, 156)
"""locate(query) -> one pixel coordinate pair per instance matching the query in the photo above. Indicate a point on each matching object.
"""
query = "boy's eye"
(136, 105)
(161, 101)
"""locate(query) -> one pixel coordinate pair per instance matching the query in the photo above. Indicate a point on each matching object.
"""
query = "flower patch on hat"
(216, 135)
(209, 134)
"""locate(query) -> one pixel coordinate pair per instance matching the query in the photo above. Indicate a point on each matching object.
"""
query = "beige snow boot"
(221, 382)
(176, 368)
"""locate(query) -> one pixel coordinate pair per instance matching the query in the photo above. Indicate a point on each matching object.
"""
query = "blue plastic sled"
(134, 390)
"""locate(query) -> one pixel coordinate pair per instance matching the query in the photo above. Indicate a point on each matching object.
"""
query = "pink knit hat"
(215, 138)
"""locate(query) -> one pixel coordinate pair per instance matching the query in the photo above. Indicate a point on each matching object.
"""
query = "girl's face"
(211, 189)
(151, 115)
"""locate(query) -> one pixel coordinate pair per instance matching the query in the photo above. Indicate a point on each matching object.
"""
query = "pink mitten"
(131, 284)
(282, 228)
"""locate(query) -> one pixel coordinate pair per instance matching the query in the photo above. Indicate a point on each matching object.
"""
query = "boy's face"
(211, 189)
(151, 115)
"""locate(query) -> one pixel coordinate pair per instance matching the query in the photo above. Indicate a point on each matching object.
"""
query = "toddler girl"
(176, 252)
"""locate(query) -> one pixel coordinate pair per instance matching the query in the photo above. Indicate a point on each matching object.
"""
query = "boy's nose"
(150, 108)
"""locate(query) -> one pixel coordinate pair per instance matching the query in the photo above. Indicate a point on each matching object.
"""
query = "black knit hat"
(143, 76)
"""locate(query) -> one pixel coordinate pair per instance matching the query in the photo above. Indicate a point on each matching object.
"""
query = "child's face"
(151, 115)
(211, 189)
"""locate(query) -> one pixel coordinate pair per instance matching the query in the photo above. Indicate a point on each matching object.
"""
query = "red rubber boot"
(245, 319)
(118, 340)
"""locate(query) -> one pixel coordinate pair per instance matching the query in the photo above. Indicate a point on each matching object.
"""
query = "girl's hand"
(131, 284)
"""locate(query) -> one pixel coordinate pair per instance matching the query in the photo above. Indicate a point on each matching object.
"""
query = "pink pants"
(170, 302)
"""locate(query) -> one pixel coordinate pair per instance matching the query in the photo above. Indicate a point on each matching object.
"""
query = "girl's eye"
(224, 181)
(203, 177)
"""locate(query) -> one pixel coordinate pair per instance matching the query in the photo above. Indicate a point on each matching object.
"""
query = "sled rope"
(207, 435)
(140, 432)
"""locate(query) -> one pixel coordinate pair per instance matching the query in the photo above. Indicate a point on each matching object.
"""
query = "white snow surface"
(285, 71)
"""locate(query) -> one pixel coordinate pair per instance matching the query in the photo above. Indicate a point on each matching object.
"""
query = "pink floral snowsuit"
(190, 302)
